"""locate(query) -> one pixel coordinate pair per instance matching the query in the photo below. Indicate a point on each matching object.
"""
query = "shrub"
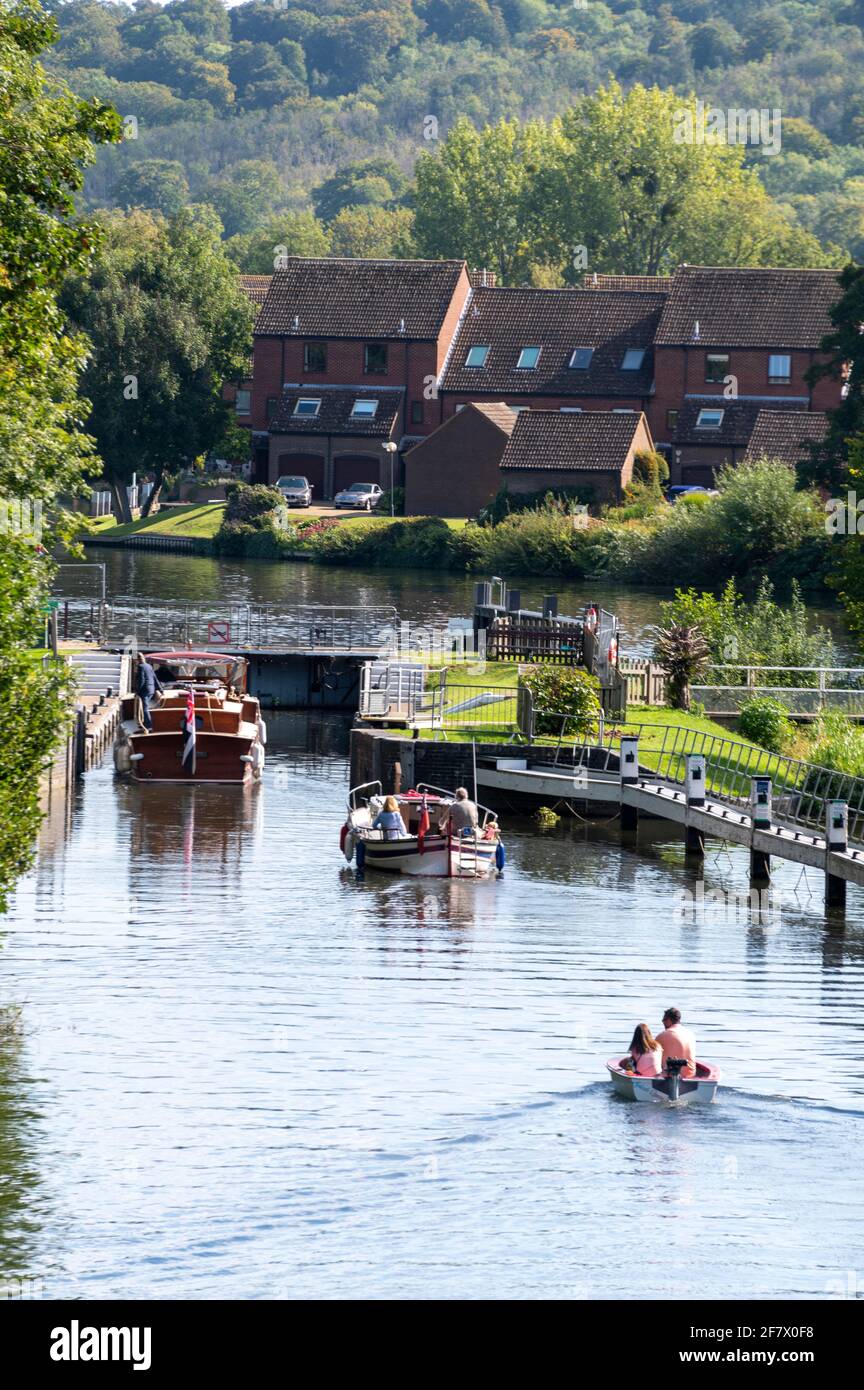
(558, 690)
(838, 743)
(395, 497)
(764, 721)
(755, 632)
(561, 502)
(651, 468)
(682, 653)
(254, 523)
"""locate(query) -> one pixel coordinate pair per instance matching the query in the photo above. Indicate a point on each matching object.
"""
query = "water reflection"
(245, 1073)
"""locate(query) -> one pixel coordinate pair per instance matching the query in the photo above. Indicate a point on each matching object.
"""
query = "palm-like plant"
(682, 653)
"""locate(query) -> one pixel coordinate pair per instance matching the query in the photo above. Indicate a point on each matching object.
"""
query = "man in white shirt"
(677, 1041)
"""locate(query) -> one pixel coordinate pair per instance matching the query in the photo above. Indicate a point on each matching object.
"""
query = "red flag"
(423, 827)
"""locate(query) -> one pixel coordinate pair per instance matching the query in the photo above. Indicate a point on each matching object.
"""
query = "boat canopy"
(199, 667)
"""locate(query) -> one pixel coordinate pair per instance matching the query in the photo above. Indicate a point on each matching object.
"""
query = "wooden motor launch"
(206, 727)
(426, 849)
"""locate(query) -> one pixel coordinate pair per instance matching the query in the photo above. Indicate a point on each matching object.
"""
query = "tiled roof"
(785, 434)
(748, 308)
(736, 427)
(334, 413)
(650, 283)
(499, 414)
(595, 441)
(256, 287)
(338, 298)
(558, 321)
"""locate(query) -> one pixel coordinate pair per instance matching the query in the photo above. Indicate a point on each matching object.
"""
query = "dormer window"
(307, 408)
(364, 410)
(528, 358)
(633, 359)
(375, 358)
(709, 419)
(716, 366)
(580, 359)
(477, 356)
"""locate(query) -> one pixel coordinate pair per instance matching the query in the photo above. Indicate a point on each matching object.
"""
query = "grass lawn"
(199, 519)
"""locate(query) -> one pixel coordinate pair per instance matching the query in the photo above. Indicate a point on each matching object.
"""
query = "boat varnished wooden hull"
(219, 758)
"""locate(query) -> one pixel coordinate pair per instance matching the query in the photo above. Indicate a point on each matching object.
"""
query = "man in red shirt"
(677, 1041)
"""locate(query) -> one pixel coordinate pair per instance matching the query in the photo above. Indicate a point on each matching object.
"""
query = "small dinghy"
(426, 849)
(672, 1086)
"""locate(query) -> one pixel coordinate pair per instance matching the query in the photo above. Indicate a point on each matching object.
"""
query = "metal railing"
(803, 689)
(503, 709)
(800, 789)
(255, 627)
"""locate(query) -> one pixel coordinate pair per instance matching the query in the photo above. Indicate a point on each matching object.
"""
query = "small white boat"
(426, 850)
(700, 1089)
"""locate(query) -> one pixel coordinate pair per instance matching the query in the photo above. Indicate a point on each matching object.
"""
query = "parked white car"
(296, 492)
(363, 496)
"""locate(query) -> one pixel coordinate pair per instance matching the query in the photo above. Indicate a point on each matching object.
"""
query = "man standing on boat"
(461, 813)
(148, 684)
(677, 1041)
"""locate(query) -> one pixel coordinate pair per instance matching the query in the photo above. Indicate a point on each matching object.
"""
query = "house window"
(671, 419)
(416, 412)
(517, 409)
(364, 410)
(623, 410)
(272, 407)
(375, 358)
(528, 358)
(315, 357)
(716, 366)
(633, 358)
(477, 356)
(243, 402)
(307, 408)
(580, 359)
(709, 419)
(571, 410)
(460, 406)
(779, 368)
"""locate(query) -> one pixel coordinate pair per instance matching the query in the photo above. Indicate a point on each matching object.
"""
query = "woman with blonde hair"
(646, 1053)
(390, 820)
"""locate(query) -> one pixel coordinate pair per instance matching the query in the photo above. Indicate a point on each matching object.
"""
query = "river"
(242, 1073)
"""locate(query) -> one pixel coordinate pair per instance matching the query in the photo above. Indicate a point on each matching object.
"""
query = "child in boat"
(390, 821)
(645, 1052)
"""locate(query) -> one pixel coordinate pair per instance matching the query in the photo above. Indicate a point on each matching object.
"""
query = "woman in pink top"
(646, 1052)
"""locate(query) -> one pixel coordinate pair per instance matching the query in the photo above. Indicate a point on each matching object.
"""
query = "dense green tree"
(169, 323)
(379, 233)
(282, 234)
(153, 183)
(368, 183)
(47, 135)
(844, 361)
(247, 192)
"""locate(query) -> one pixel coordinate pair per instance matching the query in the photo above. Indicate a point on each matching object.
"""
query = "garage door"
(697, 475)
(356, 468)
(309, 466)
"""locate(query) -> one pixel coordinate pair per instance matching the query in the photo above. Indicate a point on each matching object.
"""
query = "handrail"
(361, 786)
(444, 791)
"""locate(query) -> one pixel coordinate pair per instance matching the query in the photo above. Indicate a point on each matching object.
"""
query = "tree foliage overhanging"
(47, 136)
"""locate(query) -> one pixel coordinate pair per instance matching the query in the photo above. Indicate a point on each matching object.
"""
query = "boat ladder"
(466, 856)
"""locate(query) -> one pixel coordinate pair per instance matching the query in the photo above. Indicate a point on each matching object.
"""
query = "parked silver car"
(363, 496)
(296, 492)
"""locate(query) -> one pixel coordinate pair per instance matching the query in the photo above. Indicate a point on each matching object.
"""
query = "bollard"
(629, 765)
(836, 837)
(695, 789)
(760, 812)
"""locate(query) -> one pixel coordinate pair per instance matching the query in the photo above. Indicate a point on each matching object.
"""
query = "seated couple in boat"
(649, 1056)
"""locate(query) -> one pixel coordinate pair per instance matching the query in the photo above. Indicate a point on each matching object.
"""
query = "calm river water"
(243, 1073)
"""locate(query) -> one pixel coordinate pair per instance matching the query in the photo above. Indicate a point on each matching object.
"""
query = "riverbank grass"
(200, 520)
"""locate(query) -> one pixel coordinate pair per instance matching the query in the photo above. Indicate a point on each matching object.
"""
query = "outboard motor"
(674, 1068)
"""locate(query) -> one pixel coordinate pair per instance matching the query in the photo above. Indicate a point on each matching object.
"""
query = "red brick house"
(735, 341)
(240, 392)
(554, 349)
(459, 468)
(334, 436)
(786, 435)
(358, 325)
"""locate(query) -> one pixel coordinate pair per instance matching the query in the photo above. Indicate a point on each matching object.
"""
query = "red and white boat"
(700, 1089)
(201, 688)
(426, 850)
